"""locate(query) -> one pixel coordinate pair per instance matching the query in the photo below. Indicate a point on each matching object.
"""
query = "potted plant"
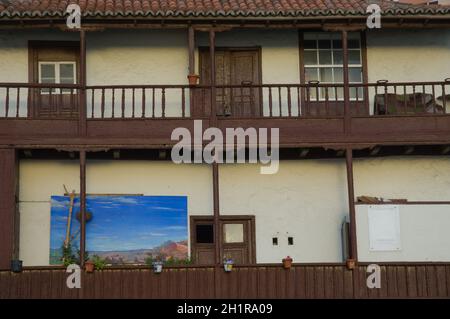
(16, 265)
(89, 266)
(351, 264)
(157, 267)
(287, 262)
(193, 79)
(99, 263)
(156, 263)
(228, 264)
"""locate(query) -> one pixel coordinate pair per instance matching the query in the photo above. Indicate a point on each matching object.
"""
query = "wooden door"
(61, 57)
(237, 240)
(240, 67)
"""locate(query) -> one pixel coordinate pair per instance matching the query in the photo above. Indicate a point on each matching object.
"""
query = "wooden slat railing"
(401, 280)
(311, 100)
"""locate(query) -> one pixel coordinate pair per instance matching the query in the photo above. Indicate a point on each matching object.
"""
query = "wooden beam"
(82, 93)
(82, 206)
(191, 43)
(9, 232)
(351, 204)
(347, 115)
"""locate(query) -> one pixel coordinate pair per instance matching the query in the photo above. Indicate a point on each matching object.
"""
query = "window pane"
(354, 57)
(337, 44)
(310, 44)
(234, 233)
(353, 44)
(310, 57)
(66, 71)
(338, 75)
(311, 74)
(204, 234)
(355, 74)
(324, 57)
(323, 93)
(337, 57)
(67, 81)
(324, 44)
(356, 90)
(340, 93)
(48, 72)
(326, 75)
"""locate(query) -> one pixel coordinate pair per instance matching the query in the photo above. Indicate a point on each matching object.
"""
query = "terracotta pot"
(193, 79)
(89, 266)
(351, 264)
(287, 262)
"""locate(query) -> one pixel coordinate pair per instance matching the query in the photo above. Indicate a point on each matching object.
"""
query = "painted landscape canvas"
(122, 229)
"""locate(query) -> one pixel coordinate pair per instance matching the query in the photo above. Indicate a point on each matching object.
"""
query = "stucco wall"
(408, 55)
(424, 234)
(306, 200)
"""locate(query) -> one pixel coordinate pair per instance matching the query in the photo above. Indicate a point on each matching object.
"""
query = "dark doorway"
(236, 67)
(238, 239)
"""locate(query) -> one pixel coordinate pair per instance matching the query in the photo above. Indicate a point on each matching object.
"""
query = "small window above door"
(57, 73)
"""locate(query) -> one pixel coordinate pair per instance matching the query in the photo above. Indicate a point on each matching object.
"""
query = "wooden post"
(82, 92)
(82, 206)
(191, 43)
(9, 232)
(215, 166)
(347, 111)
(351, 203)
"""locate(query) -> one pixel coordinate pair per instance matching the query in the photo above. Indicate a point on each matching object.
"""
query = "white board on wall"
(384, 228)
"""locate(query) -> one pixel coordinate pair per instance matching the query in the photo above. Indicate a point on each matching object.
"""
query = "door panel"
(237, 239)
(234, 67)
(244, 71)
(60, 103)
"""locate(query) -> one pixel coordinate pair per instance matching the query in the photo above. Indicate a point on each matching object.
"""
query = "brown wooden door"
(54, 62)
(237, 240)
(234, 67)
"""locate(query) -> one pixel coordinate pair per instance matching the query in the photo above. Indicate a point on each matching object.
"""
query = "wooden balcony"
(398, 280)
(312, 114)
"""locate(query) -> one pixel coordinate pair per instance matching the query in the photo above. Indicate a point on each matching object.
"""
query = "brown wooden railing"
(401, 280)
(311, 100)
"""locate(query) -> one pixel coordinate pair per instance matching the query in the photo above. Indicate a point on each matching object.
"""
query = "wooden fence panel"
(265, 281)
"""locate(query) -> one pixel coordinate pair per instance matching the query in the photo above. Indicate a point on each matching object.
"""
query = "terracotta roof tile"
(210, 8)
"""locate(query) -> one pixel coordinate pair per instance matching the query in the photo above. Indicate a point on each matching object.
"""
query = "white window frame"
(330, 37)
(57, 65)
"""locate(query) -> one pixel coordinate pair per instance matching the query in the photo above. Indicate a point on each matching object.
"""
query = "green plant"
(68, 257)
(99, 263)
(170, 261)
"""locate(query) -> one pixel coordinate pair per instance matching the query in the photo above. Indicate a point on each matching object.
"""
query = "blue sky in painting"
(122, 223)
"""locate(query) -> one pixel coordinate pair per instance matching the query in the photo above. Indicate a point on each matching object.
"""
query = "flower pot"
(89, 266)
(351, 264)
(228, 266)
(157, 267)
(193, 79)
(287, 262)
(16, 265)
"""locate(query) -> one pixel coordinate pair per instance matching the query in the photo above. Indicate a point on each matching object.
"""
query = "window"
(57, 73)
(323, 61)
(204, 234)
(234, 233)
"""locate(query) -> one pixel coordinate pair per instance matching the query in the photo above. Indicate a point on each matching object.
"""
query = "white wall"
(424, 234)
(306, 199)
(408, 55)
